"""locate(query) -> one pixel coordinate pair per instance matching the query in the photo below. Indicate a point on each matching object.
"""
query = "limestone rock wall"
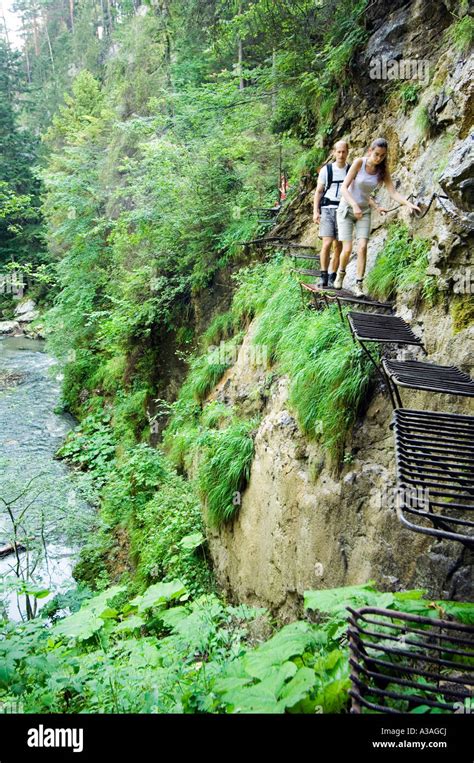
(301, 526)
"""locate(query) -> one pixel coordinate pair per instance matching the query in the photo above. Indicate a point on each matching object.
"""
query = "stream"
(53, 520)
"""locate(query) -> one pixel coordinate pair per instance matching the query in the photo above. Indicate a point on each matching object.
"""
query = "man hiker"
(326, 202)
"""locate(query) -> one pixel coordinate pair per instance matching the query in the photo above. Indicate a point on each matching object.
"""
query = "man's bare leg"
(334, 264)
(324, 258)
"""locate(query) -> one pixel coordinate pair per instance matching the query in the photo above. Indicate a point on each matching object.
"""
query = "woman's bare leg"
(346, 253)
(361, 258)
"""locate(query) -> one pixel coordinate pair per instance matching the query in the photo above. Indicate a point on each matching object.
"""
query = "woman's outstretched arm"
(388, 183)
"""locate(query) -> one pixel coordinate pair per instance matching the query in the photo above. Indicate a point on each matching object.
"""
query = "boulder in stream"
(9, 327)
(26, 311)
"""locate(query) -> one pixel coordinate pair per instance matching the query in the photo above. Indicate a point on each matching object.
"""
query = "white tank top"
(362, 186)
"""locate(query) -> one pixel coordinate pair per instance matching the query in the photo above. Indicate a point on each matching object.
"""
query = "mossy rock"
(462, 312)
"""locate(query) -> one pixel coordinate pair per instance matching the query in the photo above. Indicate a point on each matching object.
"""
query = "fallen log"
(10, 548)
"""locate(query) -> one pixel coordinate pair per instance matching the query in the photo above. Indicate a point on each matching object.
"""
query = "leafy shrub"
(132, 483)
(91, 446)
(160, 652)
(129, 416)
(408, 92)
(168, 539)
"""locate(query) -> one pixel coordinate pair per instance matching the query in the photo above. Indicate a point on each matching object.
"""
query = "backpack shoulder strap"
(329, 177)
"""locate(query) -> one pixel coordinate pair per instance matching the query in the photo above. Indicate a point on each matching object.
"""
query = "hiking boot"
(359, 290)
(332, 278)
(323, 281)
(339, 279)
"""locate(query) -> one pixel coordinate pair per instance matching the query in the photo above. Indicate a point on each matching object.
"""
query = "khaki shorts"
(328, 223)
(346, 222)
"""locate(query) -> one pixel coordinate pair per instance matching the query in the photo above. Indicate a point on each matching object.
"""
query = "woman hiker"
(326, 202)
(365, 175)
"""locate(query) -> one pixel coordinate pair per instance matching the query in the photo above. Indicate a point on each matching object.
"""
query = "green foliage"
(307, 83)
(256, 285)
(402, 264)
(205, 372)
(91, 446)
(167, 539)
(140, 496)
(461, 33)
(225, 469)
(129, 417)
(329, 376)
(132, 483)
(408, 92)
(160, 651)
(295, 671)
(20, 220)
(222, 327)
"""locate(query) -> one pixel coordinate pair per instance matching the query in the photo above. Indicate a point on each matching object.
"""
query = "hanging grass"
(401, 265)
(225, 470)
(222, 327)
(257, 284)
(280, 310)
(329, 376)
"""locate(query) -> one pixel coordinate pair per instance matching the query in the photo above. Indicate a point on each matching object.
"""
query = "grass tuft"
(225, 470)
(401, 265)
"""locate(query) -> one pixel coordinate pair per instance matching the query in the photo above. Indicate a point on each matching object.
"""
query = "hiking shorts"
(346, 222)
(328, 222)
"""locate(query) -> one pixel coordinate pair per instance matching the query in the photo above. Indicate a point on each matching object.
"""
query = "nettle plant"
(160, 651)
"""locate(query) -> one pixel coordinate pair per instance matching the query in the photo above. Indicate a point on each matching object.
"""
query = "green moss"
(462, 312)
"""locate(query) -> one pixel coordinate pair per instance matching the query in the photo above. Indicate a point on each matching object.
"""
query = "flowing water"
(41, 493)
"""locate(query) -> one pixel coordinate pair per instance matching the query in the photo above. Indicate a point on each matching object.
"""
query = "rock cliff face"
(301, 526)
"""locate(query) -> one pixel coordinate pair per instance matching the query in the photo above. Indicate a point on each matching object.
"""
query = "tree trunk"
(240, 57)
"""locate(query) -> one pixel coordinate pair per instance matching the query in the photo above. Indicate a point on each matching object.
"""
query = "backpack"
(324, 202)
